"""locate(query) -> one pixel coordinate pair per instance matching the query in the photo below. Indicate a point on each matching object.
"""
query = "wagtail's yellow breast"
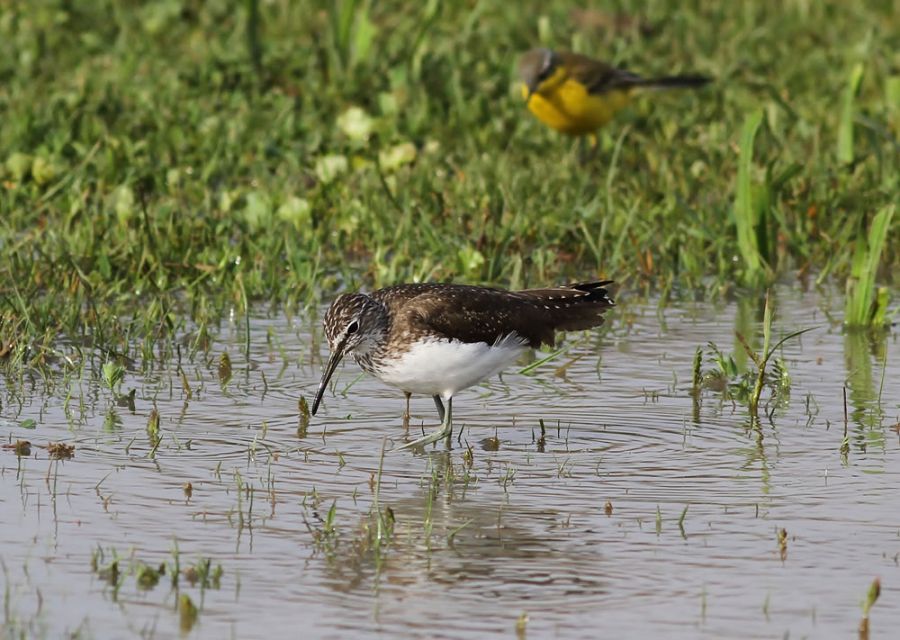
(569, 108)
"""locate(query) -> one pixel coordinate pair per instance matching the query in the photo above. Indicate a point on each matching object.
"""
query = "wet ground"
(642, 511)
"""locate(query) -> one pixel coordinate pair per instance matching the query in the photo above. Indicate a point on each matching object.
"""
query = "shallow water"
(579, 531)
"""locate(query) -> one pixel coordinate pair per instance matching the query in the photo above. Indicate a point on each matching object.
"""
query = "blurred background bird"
(577, 95)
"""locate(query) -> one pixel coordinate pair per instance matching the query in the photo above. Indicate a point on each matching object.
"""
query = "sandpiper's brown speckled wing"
(481, 314)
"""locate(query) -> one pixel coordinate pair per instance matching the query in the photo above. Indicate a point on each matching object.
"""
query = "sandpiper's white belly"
(443, 367)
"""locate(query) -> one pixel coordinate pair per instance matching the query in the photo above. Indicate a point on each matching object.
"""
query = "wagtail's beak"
(530, 93)
(333, 361)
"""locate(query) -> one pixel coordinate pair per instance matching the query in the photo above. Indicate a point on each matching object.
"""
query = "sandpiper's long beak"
(333, 361)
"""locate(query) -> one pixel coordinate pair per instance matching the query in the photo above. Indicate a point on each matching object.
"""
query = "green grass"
(749, 211)
(865, 305)
(845, 125)
(164, 162)
(737, 382)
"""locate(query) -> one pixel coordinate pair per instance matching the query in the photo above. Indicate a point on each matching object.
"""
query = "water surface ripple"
(642, 511)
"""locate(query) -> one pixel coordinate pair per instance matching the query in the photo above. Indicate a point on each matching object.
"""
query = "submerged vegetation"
(170, 160)
(115, 570)
(746, 386)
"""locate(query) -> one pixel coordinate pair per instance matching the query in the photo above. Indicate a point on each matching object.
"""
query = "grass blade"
(745, 211)
(860, 309)
(845, 124)
(534, 365)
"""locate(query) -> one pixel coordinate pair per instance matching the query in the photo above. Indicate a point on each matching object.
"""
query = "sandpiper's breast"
(442, 367)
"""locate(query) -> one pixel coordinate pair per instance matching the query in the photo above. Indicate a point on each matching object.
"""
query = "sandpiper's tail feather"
(575, 306)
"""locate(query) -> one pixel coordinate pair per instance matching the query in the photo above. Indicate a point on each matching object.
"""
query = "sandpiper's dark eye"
(353, 327)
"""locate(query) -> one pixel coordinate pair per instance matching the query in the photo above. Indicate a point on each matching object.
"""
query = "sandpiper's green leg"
(444, 432)
(440, 407)
(406, 415)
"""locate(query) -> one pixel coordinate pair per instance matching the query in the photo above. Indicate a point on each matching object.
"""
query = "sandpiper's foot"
(445, 431)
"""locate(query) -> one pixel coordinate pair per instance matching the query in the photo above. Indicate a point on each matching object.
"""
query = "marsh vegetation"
(184, 185)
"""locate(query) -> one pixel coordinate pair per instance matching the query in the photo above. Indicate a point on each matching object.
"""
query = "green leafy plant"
(866, 306)
(113, 375)
(747, 386)
(761, 360)
(352, 30)
(752, 209)
(871, 598)
(848, 108)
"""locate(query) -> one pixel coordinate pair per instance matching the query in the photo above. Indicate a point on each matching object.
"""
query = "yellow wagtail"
(577, 95)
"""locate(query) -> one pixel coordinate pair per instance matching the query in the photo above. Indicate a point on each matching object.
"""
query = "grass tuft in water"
(762, 360)
(747, 386)
(113, 376)
(782, 538)
(521, 625)
(61, 450)
(352, 552)
(871, 598)
(148, 577)
(866, 306)
(224, 369)
(187, 613)
(697, 371)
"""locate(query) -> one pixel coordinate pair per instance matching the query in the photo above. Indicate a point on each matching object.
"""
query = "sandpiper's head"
(536, 67)
(354, 323)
